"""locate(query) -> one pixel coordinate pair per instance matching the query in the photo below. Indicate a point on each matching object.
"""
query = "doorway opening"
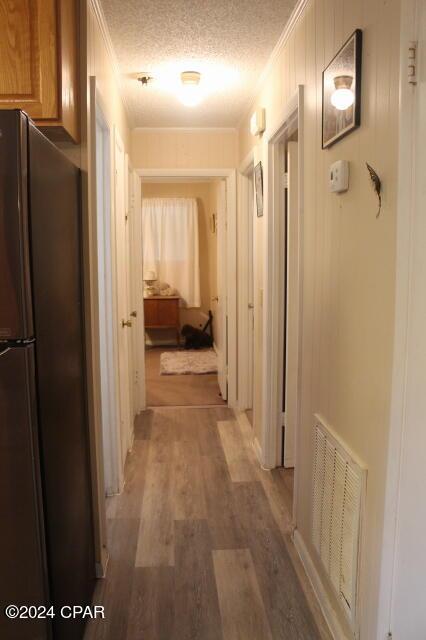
(117, 200)
(246, 290)
(283, 294)
(183, 235)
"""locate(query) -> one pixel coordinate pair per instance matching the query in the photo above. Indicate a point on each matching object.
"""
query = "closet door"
(221, 309)
(123, 319)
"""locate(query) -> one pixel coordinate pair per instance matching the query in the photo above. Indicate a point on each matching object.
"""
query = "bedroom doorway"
(181, 222)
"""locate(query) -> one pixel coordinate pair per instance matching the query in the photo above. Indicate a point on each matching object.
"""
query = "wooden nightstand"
(162, 312)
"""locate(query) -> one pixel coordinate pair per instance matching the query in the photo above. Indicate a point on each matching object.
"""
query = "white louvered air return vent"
(338, 495)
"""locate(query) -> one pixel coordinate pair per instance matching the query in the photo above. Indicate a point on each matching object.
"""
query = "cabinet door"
(168, 313)
(28, 55)
(151, 313)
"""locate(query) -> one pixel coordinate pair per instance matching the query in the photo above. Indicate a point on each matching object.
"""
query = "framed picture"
(341, 92)
(258, 182)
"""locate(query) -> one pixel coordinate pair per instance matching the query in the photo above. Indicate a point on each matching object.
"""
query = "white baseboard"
(328, 611)
(259, 455)
(257, 450)
(102, 566)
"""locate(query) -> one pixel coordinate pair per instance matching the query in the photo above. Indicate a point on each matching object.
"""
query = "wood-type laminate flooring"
(199, 539)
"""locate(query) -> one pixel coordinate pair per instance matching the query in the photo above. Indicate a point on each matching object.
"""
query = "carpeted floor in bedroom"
(180, 390)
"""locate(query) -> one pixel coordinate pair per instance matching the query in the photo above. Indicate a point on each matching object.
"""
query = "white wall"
(184, 148)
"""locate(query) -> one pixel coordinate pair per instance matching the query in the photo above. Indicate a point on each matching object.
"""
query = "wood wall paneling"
(349, 254)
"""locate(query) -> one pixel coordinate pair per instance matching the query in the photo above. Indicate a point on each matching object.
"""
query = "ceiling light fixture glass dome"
(343, 96)
(190, 93)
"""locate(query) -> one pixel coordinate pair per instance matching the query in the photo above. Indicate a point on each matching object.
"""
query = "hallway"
(199, 539)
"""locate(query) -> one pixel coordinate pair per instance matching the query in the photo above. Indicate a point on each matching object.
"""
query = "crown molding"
(98, 12)
(282, 41)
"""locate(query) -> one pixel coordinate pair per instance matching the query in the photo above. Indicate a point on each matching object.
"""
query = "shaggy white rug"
(174, 363)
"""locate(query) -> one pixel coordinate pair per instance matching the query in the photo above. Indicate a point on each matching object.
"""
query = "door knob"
(134, 314)
(250, 305)
(215, 299)
(126, 323)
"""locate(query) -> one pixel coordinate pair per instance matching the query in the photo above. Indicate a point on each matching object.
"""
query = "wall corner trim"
(98, 12)
(329, 613)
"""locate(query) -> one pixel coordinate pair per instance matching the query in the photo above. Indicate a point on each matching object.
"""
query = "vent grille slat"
(336, 515)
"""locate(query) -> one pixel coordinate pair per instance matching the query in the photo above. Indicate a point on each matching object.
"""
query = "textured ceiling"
(228, 41)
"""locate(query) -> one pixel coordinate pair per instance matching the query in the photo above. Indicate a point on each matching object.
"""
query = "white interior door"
(136, 283)
(221, 339)
(132, 320)
(123, 315)
(292, 306)
(250, 309)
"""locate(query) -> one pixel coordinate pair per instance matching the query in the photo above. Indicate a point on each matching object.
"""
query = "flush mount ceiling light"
(343, 96)
(190, 93)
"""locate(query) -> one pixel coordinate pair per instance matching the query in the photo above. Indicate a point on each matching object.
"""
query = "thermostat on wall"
(339, 176)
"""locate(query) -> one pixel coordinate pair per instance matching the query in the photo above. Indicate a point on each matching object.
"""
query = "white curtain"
(170, 244)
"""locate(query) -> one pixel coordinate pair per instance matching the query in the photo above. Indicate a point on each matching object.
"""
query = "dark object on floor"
(198, 338)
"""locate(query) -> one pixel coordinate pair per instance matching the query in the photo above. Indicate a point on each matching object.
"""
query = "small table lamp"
(149, 278)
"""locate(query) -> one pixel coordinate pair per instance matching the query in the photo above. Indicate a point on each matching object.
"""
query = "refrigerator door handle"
(2, 353)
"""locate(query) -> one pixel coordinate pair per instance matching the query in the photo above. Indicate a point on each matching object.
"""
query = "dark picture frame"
(336, 124)
(258, 182)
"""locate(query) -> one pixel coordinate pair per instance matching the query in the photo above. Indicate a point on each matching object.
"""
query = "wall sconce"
(257, 122)
(343, 96)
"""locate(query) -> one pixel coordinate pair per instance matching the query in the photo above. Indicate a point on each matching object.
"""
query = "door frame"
(245, 218)
(274, 296)
(230, 175)
(110, 419)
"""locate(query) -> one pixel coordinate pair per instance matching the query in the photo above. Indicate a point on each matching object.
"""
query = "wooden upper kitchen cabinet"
(39, 63)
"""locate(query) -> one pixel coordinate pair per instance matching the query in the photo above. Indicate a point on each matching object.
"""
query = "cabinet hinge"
(412, 63)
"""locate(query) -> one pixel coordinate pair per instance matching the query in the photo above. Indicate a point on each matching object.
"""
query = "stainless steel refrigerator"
(46, 535)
